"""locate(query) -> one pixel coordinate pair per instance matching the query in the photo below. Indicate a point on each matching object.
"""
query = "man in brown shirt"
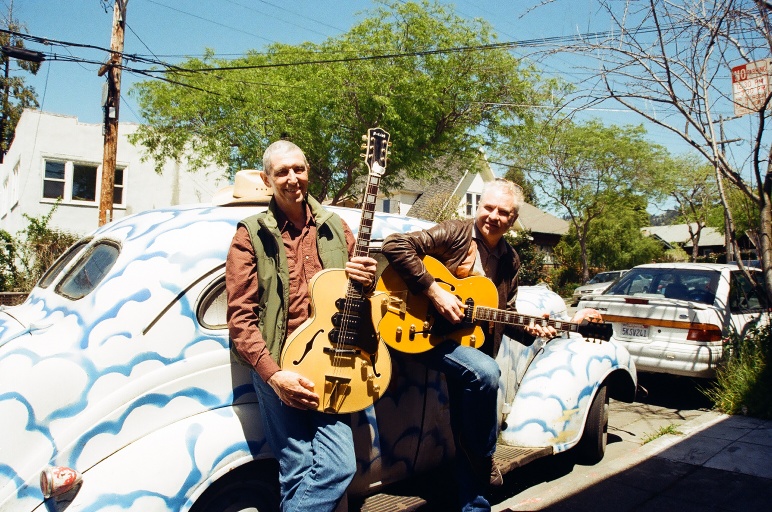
(271, 260)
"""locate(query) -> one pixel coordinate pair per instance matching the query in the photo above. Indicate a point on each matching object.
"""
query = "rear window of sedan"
(88, 271)
(675, 283)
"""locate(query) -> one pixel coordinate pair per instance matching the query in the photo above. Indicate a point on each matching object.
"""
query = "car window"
(88, 271)
(745, 295)
(213, 307)
(677, 283)
(62, 262)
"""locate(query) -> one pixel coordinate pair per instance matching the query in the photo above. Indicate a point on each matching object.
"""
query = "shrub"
(531, 258)
(743, 382)
(25, 257)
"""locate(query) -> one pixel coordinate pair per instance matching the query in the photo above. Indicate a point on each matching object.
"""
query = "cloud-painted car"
(118, 390)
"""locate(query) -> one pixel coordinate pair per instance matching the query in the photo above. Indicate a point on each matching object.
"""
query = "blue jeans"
(473, 383)
(315, 452)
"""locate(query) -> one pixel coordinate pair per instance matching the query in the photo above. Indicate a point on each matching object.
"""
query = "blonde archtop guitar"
(410, 323)
(338, 347)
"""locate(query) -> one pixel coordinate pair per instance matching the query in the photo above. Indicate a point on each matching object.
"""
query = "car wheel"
(250, 488)
(592, 446)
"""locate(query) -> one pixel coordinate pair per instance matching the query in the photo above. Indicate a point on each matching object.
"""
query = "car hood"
(80, 378)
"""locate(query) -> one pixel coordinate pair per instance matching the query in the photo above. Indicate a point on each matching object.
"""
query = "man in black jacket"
(469, 247)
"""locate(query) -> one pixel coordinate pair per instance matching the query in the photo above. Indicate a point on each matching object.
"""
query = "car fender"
(168, 469)
(555, 394)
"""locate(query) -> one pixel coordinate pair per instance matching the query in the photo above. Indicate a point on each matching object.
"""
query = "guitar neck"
(368, 214)
(513, 318)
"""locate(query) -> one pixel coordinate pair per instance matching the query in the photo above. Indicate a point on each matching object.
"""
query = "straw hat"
(248, 187)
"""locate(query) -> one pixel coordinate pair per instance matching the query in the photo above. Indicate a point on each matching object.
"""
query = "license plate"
(635, 330)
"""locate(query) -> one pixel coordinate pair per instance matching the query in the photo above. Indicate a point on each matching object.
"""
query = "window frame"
(69, 182)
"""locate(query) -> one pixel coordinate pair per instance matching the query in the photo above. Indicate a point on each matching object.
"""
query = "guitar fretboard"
(513, 318)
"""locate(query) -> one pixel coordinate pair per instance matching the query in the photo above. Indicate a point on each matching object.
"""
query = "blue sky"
(170, 30)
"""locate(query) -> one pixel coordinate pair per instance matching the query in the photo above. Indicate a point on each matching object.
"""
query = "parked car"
(118, 389)
(595, 286)
(676, 317)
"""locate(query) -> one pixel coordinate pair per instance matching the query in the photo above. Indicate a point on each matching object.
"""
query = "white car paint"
(133, 385)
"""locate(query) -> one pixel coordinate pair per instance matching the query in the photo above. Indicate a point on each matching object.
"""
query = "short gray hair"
(506, 186)
(280, 146)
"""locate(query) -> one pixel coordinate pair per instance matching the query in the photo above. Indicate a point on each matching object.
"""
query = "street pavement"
(711, 462)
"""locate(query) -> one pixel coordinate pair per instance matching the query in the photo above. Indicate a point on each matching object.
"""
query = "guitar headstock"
(376, 149)
(596, 330)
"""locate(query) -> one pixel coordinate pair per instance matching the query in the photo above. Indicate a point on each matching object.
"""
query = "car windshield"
(695, 285)
(603, 277)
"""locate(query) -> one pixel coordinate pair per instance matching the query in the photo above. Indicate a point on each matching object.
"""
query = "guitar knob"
(364, 137)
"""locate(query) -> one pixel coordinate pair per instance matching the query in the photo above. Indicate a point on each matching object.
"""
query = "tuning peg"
(364, 137)
(362, 155)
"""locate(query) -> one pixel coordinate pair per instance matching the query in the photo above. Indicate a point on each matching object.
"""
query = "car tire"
(592, 446)
(250, 488)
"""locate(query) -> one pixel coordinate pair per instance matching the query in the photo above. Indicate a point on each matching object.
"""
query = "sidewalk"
(718, 463)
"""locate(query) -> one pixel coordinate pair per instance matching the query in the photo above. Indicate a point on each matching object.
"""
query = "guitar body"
(411, 324)
(348, 377)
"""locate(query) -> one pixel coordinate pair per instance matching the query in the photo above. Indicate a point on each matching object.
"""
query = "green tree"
(614, 241)
(532, 269)
(16, 95)
(691, 184)
(671, 63)
(589, 170)
(409, 68)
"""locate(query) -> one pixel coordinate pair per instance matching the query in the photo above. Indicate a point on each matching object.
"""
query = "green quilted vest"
(272, 270)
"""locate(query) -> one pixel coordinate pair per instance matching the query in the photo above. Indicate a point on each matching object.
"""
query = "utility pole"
(113, 69)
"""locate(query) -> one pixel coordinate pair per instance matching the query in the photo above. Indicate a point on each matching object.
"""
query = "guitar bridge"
(336, 389)
(395, 303)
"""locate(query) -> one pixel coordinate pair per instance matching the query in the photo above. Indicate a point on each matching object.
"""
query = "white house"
(55, 156)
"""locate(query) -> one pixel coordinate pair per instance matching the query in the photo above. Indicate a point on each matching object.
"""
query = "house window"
(387, 205)
(84, 182)
(472, 201)
(53, 181)
(118, 187)
(78, 182)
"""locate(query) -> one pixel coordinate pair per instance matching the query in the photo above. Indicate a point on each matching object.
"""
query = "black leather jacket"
(449, 242)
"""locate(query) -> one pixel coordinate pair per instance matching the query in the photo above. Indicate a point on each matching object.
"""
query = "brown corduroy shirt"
(241, 281)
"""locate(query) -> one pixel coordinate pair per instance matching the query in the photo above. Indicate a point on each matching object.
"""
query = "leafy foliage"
(613, 241)
(24, 258)
(742, 384)
(16, 96)
(406, 68)
(531, 258)
(591, 171)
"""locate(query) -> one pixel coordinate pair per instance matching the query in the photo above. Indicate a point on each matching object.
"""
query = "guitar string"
(366, 221)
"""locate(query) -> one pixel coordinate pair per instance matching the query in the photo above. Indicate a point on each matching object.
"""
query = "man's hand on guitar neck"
(541, 331)
(362, 269)
(294, 389)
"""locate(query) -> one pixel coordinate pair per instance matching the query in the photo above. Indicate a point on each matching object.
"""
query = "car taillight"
(704, 332)
(57, 480)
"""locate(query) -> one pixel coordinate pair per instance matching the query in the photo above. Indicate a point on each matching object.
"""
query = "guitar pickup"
(395, 303)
